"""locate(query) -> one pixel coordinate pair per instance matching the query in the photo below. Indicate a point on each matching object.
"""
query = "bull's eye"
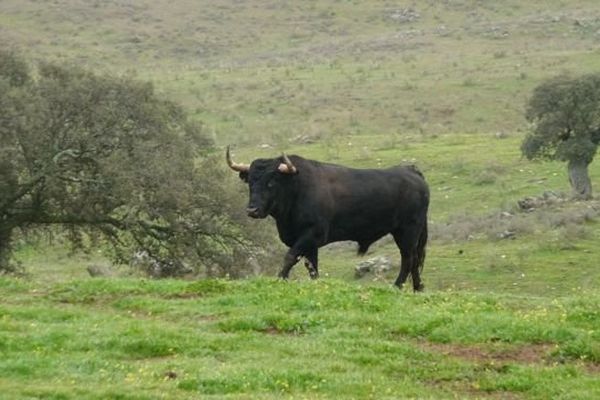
(271, 184)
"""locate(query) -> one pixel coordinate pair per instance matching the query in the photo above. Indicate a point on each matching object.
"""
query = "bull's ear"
(244, 176)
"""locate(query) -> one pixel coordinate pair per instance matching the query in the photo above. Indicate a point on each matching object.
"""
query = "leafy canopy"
(565, 114)
(106, 158)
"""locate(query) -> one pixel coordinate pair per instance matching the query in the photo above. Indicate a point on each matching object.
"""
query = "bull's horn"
(286, 166)
(235, 166)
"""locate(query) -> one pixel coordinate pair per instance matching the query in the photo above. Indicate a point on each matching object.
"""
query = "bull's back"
(368, 204)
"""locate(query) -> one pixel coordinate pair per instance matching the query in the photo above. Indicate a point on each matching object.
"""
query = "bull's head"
(267, 180)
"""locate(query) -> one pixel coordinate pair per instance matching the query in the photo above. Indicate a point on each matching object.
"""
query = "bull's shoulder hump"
(331, 168)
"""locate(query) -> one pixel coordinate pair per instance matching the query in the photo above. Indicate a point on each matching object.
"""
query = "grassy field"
(500, 318)
(511, 303)
(261, 338)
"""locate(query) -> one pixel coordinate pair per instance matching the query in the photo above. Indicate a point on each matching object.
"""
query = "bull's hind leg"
(416, 276)
(405, 268)
(407, 241)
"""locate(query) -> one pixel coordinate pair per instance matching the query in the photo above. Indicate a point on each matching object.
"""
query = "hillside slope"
(266, 70)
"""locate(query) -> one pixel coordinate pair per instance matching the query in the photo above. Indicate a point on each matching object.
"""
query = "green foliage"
(565, 113)
(105, 157)
(13, 69)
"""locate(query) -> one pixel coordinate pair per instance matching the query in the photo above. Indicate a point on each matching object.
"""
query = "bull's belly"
(361, 232)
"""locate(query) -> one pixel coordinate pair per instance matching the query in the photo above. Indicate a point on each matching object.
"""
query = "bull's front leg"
(311, 262)
(306, 246)
(290, 259)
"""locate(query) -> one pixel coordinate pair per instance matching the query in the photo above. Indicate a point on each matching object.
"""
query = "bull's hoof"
(313, 275)
(416, 289)
(283, 276)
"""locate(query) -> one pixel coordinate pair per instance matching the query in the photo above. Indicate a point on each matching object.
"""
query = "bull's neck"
(283, 209)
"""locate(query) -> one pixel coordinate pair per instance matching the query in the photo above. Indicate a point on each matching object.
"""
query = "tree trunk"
(580, 180)
(5, 264)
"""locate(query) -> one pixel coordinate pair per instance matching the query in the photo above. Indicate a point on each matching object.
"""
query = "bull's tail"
(421, 244)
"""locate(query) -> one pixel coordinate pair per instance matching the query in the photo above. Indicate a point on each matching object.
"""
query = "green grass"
(264, 338)
(499, 318)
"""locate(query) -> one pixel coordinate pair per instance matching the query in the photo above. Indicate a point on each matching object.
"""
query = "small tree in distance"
(104, 157)
(565, 114)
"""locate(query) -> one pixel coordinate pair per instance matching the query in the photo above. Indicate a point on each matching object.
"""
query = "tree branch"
(23, 190)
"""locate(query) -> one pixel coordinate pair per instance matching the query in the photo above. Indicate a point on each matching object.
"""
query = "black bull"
(316, 203)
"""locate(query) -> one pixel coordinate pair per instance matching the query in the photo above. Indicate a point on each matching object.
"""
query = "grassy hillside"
(500, 318)
(476, 183)
(265, 71)
(480, 239)
(511, 303)
(132, 339)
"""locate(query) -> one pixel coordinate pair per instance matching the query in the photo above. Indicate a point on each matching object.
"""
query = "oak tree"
(105, 158)
(565, 117)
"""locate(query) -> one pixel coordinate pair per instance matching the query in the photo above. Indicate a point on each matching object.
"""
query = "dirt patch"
(497, 354)
(496, 357)
(275, 331)
(466, 390)
(208, 317)
(590, 367)
(184, 296)
(271, 330)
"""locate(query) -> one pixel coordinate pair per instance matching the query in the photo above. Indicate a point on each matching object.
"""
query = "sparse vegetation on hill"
(263, 71)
